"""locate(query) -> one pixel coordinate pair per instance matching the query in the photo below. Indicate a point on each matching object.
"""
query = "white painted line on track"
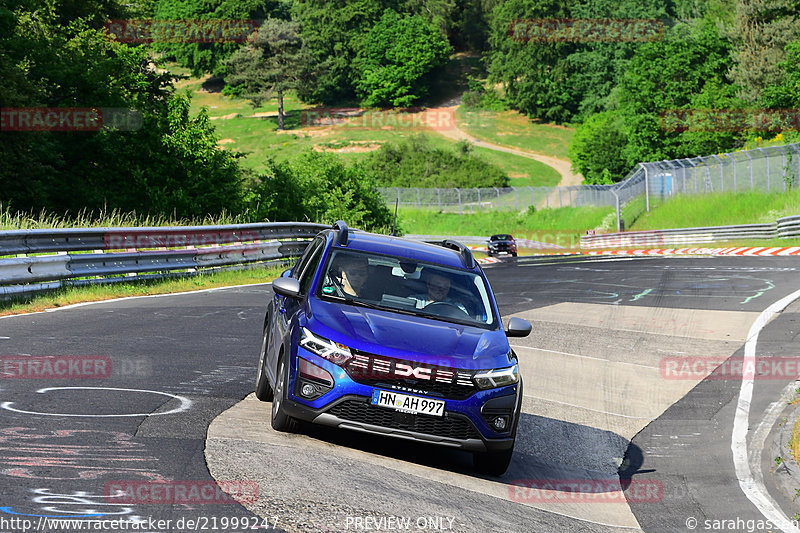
(185, 403)
(752, 486)
(520, 347)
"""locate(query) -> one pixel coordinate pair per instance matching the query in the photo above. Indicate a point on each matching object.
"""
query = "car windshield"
(501, 237)
(399, 284)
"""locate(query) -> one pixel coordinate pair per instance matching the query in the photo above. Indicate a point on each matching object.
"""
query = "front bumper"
(356, 414)
(464, 425)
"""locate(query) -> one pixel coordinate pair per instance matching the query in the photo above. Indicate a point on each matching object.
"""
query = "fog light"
(308, 390)
(500, 423)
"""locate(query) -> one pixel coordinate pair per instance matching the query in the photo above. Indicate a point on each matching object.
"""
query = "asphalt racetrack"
(155, 402)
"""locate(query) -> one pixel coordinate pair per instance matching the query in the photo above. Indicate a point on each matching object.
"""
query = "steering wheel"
(446, 309)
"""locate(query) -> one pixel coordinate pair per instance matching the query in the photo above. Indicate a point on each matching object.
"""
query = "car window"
(397, 284)
(310, 266)
(303, 261)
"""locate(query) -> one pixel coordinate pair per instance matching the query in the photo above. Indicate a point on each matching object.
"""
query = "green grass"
(720, 210)
(510, 128)
(562, 226)
(258, 138)
(12, 220)
(92, 293)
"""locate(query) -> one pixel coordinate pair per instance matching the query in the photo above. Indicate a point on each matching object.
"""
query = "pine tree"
(761, 31)
(273, 62)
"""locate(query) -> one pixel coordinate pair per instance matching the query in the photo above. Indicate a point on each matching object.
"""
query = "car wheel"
(280, 420)
(263, 390)
(492, 463)
(514, 254)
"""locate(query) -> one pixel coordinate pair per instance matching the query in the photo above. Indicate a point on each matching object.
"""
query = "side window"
(310, 268)
(297, 271)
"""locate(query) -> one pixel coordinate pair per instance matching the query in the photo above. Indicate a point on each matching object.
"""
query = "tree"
(170, 165)
(209, 57)
(762, 29)
(321, 188)
(334, 31)
(688, 69)
(274, 62)
(398, 55)
(596, 148)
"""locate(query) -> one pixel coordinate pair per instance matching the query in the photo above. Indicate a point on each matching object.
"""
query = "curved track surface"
(597, 399)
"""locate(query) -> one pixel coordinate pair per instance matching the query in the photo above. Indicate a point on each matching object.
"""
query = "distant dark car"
(502, 243)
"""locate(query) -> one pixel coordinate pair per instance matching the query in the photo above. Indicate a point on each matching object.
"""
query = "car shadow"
(548, 452)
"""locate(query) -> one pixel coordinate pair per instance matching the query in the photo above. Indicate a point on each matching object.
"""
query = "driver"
(438, 286)
(352, 271)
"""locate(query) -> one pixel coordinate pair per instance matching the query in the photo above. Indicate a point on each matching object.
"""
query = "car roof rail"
(344, 232)
(466, 253)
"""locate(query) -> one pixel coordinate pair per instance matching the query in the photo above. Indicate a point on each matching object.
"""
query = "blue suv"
(387, 336)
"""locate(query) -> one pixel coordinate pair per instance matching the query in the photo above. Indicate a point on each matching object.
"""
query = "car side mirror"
(518, 327)
(289, 287)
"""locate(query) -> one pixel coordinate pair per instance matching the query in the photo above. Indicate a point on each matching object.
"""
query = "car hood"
(409, 337)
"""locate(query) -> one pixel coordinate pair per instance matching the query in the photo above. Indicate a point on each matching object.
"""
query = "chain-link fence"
(771, 169)
(497, 198)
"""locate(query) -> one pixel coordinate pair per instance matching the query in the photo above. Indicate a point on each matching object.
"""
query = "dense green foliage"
(209, 57)
(319, 187)
(687, 70)
(168, 165)
(415, 163)
(397, 58)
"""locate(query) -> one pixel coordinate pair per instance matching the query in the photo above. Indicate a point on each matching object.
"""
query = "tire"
(280, 420)
(492, 463)
(263, 389)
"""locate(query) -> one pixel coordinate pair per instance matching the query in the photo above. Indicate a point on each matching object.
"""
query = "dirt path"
(560, 165)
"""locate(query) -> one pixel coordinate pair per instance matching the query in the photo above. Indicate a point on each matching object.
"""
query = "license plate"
(407, 404)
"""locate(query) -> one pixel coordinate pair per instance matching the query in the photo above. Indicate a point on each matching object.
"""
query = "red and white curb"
(745, 251)
(742, 252)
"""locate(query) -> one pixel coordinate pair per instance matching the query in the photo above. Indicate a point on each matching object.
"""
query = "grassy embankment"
(255, 133)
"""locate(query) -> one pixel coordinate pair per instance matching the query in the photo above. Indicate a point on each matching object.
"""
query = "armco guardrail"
(784, 228)
(117, 254)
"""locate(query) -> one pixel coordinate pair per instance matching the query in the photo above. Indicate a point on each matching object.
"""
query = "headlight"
(499, 377)
(334, 352)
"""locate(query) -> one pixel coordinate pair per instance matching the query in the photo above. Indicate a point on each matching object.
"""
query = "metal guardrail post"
(766, 157)
(439, 197)
(646, 187)
(721, 175)
(460, 211)
(783, 166)
(729, 156)
(750, 159)
(616, 206)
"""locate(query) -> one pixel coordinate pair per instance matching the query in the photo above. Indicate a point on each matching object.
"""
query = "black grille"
(447, 426)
